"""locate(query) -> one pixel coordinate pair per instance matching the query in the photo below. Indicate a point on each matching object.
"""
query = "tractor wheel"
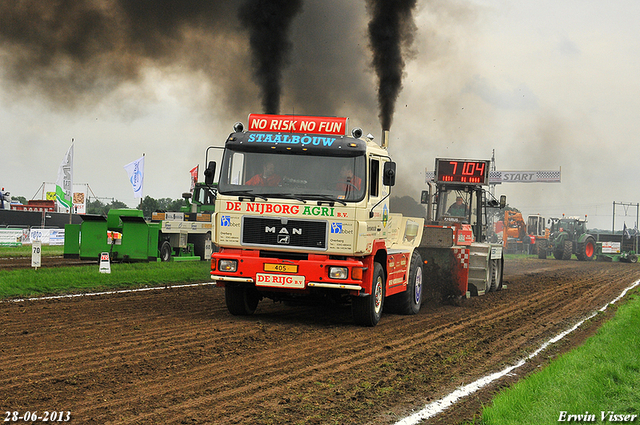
(496, 274)
(587, 250)
(568, 250)
(367, 310)
(633, 258)
(241, 300)
(165, 251)
(542, 249)
(558, 253)
(409, 301)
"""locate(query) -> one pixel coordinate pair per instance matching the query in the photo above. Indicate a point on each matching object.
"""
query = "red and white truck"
(303, 209)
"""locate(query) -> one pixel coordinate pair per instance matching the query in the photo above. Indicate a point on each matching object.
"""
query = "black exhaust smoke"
(269, 22)
(391, 28)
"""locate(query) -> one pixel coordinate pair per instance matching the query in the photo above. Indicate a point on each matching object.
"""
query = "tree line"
(148, 205)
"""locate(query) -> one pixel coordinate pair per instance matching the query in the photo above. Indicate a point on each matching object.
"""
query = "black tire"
(633, 258)
(542, 249)
(165, 251)
(496, 274)
(367, 310)
(587, 249)
(409, 301)
(241, 300)
(567, 251)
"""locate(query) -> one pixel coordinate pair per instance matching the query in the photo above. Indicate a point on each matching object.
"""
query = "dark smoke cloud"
(391, 28)
(268, 22)
(76, 52)
(72, 49)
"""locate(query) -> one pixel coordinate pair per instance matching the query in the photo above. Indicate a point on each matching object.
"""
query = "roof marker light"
(356, 133)
(238, 127)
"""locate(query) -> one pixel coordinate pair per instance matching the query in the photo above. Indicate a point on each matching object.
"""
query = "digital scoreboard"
(462, 171)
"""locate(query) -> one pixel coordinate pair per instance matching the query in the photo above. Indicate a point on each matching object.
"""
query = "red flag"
(194, 177)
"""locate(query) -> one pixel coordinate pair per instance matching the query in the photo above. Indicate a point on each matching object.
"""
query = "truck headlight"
(228, 265)
(338, 272)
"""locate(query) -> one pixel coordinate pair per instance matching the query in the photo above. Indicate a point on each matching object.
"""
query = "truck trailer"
(303, 210)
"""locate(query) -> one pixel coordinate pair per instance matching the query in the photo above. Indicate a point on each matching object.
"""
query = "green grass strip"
(25, 251)
(601, 376)
(23, 283)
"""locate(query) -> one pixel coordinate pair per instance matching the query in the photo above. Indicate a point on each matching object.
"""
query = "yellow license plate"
(286, 268)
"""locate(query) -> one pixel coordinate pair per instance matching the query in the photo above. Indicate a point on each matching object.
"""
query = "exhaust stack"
(385, 139)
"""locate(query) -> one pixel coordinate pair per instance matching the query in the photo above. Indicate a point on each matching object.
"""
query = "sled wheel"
(165, 251)
(496, 275)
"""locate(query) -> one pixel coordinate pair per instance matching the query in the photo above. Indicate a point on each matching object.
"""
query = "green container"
(71, 240)
(152, 245)
(93, 237)
(135, 239)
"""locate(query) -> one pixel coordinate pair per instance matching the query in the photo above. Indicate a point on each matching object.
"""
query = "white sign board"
(11, 237)
(611, 247)
(105, 264)
(36, 254)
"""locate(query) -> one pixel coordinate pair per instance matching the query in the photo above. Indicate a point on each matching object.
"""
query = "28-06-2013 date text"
(46, 416)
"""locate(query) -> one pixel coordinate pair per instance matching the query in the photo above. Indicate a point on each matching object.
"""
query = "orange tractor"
(514, 232)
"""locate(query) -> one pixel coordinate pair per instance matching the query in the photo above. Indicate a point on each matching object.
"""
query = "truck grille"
(284, 233)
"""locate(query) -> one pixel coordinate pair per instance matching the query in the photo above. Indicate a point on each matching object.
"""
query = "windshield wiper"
(241, 194)
(287, 196)
(325, 198)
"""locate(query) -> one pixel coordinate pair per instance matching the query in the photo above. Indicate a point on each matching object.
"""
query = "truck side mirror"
(424, 197)
(503, 201)
(389, 174)
(209, 173)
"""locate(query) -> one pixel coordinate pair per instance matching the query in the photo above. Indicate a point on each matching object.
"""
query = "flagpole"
(71, 200)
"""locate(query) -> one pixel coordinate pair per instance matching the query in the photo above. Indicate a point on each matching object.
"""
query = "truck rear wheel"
(409, 301)
(241, 300)
(367, 310)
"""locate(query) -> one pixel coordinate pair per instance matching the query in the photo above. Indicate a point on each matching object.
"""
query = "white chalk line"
(120, 291)
(438, 406)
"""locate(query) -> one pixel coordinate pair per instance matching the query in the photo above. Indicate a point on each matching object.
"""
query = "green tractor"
(568, 236)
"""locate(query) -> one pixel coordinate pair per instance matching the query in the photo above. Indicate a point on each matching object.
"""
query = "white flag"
(64, 183)
(135, 170)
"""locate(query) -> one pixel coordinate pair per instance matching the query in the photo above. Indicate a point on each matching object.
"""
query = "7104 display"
(462, 171)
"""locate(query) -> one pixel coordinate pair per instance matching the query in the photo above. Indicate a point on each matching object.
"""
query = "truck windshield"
(291, 175)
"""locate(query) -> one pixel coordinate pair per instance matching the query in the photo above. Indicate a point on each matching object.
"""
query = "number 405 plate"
(282, 268)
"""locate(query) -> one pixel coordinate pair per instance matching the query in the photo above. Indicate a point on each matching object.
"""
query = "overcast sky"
(547, 84)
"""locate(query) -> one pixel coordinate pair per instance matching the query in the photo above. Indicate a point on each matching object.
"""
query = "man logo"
(283, 239)
(282, 231)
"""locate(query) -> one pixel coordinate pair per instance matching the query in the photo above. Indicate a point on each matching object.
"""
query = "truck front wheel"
(367, 310)
(241, 300)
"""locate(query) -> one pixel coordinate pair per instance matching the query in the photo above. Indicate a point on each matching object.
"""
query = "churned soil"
(176, 356)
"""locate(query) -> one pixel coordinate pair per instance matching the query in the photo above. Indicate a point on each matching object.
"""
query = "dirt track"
(177, 356)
